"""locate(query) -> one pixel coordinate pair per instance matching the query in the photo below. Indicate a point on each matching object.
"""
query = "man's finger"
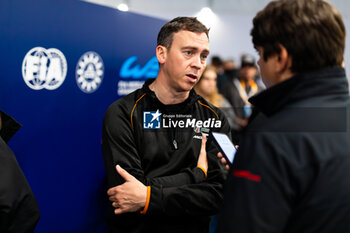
(204, 141)
(223, 161)
(111, 191)
(118, 211)
(112, 198)
(219, 155)
(123, 173)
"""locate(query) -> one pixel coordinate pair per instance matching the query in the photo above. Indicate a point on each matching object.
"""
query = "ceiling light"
(207, 17)
(123, 7)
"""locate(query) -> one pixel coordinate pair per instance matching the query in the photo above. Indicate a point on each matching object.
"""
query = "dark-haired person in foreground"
(291, 172)
(19, 211)
(167, 178)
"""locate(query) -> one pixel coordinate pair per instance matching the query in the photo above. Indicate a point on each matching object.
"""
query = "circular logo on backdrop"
(89, 72)
(44, 68)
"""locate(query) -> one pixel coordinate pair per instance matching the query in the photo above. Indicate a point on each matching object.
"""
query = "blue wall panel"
(58, 146)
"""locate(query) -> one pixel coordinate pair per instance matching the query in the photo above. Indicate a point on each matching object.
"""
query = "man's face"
(208, 83)
(267, 69)
(186, 59)
(229, 65)
(248, 72)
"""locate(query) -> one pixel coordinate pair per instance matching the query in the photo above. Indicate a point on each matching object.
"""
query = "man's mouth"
(192, 76)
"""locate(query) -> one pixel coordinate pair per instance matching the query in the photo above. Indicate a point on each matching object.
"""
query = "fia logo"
(44, 68)
(151, 120)
(89, 72)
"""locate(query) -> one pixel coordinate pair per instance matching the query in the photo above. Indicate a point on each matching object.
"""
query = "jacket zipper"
(174, 139)
(175, 144)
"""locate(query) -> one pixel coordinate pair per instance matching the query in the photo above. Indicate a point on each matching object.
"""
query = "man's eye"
(204, 56)
(188, 52)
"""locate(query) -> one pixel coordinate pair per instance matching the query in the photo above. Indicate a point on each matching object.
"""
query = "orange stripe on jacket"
(209, 108)
(147, 200)
(132, 112)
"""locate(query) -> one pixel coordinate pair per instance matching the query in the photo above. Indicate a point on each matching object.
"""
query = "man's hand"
(128, 197)
(202, 159)
(223, 160)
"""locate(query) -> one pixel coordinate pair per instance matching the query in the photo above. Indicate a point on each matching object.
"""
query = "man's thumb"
(123, 173)
(204, 141)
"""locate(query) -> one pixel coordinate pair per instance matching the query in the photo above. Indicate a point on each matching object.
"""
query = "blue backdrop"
(59, 93)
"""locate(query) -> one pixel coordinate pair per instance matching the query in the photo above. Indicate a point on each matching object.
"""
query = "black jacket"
(19, 212)
(182, 198)
(291, 173)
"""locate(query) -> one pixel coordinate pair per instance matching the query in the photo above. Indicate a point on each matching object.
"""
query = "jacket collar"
(9, 127)
(326, 81)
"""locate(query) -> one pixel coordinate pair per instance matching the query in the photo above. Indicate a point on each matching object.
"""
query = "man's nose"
(197, 62)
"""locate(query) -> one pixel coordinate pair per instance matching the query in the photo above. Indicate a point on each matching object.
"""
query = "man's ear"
(284, 60)
(161, 53)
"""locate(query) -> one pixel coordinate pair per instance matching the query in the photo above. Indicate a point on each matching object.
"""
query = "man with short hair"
(238, 90)
(167, 178)
(291, 172)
